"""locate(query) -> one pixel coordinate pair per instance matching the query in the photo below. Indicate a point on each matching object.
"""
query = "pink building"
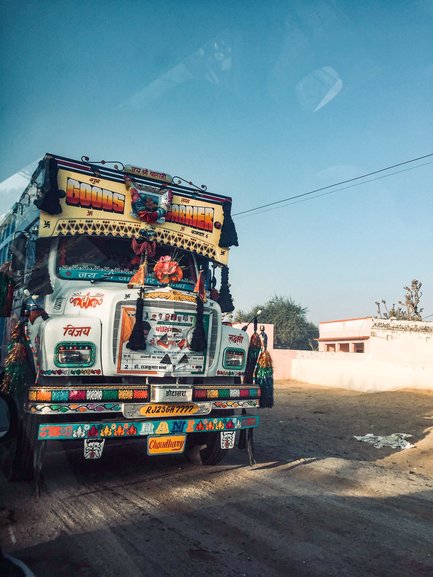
(345, 336)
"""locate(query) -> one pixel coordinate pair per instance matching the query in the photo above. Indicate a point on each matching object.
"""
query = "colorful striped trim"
(49, 409)
(125, 395)
(241, 404)
(69, 371)
(74, 395)
(227, 393)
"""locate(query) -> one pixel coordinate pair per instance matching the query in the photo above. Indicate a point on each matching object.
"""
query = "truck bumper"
(144, 428)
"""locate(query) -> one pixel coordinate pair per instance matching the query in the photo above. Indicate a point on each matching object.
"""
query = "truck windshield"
(113, 260)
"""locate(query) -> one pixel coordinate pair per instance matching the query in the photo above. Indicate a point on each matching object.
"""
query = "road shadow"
(264, 527)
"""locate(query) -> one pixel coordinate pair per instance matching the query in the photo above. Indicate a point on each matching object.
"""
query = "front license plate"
(166, 410)
(173, 394)
(171, 444)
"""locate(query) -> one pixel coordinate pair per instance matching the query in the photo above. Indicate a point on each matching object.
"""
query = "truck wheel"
(21, 460)
(205, 448)
(212, 454)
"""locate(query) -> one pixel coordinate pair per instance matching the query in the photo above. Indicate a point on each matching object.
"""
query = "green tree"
(291, 328)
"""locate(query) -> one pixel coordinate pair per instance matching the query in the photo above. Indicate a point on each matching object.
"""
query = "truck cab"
(116, 310)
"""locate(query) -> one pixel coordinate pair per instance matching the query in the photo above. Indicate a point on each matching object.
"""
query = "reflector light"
(234, 359)
(74, 354)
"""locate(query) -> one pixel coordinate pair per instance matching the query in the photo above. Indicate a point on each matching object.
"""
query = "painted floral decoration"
(167, 270)
(144, 205)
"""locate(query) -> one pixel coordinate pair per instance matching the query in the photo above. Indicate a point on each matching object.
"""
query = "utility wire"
(340, 189)
(333, 185)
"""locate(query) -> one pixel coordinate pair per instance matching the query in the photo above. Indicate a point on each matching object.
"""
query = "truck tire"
(204, 449)
(21, 466)
(212, 454)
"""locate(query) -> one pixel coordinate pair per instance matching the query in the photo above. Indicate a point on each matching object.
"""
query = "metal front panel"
(169, 328)
(161, 394)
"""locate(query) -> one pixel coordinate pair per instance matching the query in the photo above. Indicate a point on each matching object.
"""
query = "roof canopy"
(98, 200)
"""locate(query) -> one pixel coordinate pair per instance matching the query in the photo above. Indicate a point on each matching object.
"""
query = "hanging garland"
(252, 356)
(143, 247)
(225, 299)
(143, 201)
(265, 379)
(49, 194)
(199, 341)
(16, 362)
(229, 235)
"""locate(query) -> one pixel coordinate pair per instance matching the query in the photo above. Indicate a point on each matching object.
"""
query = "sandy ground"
(317, 503)
(333, 416)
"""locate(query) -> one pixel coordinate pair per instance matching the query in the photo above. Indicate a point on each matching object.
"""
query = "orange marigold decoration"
(167, 270)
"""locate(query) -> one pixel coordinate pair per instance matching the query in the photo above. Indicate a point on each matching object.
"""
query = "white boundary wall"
(401, 356)
(360, 372)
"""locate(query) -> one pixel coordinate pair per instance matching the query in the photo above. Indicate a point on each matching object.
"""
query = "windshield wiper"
(108, 277)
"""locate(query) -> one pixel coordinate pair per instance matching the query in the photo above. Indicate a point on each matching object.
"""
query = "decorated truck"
(115, 307)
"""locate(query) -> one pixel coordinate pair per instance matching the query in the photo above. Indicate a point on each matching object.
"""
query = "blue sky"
(259, 101)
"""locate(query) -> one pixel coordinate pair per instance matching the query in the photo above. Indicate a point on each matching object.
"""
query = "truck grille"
(168, 306)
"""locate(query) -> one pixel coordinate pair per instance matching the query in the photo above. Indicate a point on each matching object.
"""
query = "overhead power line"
(362, 176)
(328, 192)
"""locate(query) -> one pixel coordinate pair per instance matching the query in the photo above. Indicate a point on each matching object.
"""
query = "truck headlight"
(234, 359)
(74, 354)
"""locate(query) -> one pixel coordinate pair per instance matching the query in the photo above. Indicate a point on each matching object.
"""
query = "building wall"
(282, 362)
(360, 372)
(400, 356)
(394, 341)
(348, 335)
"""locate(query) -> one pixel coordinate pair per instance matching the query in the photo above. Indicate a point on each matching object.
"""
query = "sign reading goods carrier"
(98, 206)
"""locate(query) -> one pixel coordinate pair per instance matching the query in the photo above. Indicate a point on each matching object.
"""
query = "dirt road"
(318, 502)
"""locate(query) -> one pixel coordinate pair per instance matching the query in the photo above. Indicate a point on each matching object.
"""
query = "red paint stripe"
(73, 165)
